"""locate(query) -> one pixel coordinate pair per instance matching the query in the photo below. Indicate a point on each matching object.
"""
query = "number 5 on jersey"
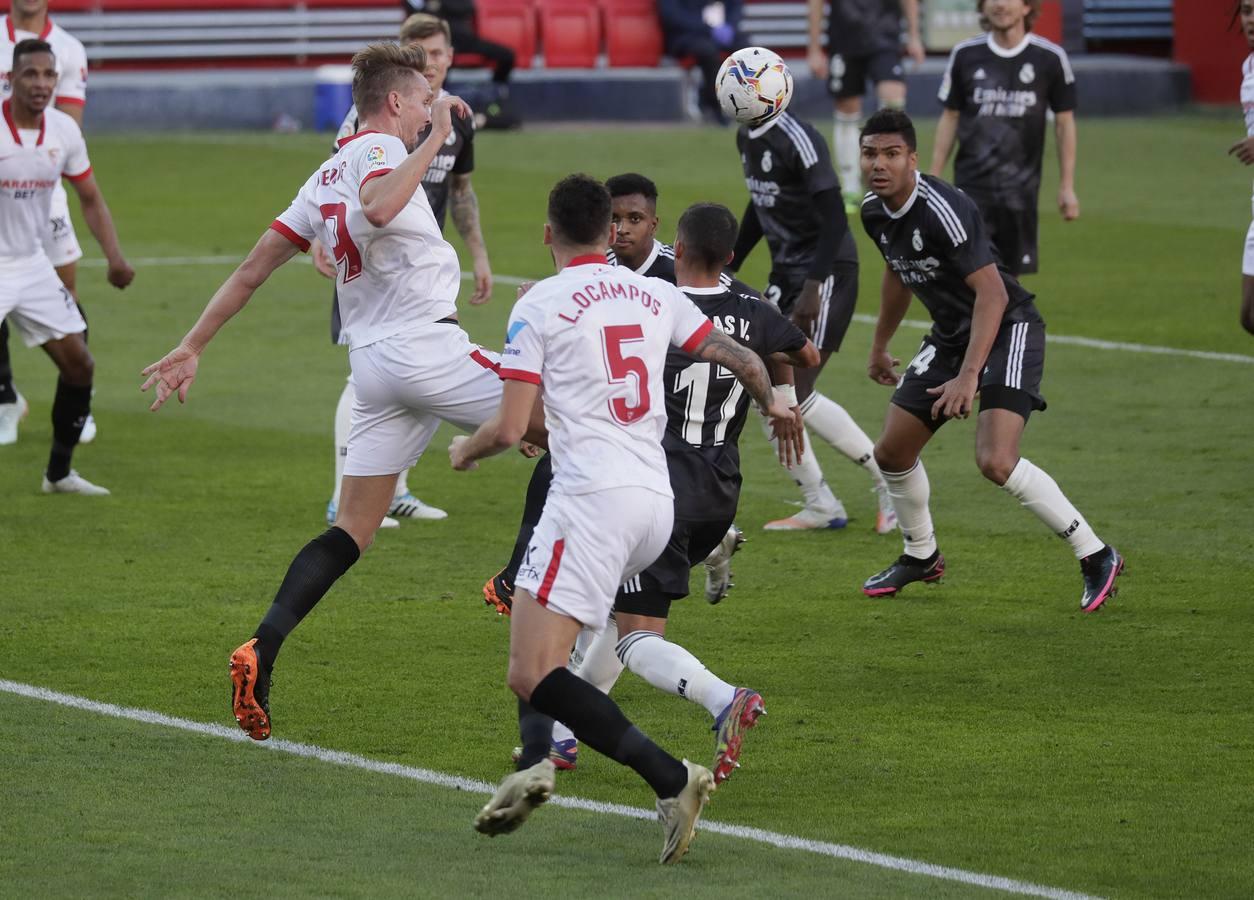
(335, 215)
(620, 369)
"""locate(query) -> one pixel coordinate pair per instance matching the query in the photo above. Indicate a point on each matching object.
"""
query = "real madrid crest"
(1027, 74)
(766, 161)
(916, 241)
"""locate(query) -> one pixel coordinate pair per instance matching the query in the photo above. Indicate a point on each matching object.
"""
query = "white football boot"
(74, 484)
(10, 415)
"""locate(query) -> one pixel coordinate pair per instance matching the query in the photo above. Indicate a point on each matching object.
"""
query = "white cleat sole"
(517, 797)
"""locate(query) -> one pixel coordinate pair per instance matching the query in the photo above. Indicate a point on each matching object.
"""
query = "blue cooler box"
(333, 96)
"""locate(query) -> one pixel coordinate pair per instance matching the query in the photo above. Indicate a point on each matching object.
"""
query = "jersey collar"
(352, 137)
(1013, 51)
(43, 35)
(588, 259)
(755, 133)
(905, 207)
(644, 266)
(17, 137)
(704, 291)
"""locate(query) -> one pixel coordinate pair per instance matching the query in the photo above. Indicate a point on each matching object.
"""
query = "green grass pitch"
(983, 724)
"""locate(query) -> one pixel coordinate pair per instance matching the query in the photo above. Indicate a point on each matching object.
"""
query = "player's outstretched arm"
(815, 56)
(509, 424)
(175, 372)
(955, 397)
(806, 358)
(914, 43)
(894, 301)
(100, 221)
(463, 208)
(943, 143)
(791, 438)
(384, 197)
(1065, 133)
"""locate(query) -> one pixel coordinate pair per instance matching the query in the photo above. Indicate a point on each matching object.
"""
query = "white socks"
(845, 149)
(809, 477)
(909, 492)
(830, 421)
(1041, 495)
(671, 668)
(343, 421)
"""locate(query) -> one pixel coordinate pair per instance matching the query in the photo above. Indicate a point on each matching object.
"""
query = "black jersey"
(706, 406)
(457, 156)
(786, 163)
(862, 27)
(1002, 97)
(933, 243)
(660, 263)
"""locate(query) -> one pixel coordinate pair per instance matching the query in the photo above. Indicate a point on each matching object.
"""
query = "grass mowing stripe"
(427, 776)
(1073, 340)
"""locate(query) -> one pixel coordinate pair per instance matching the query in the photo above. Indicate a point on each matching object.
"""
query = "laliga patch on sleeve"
(376, 156)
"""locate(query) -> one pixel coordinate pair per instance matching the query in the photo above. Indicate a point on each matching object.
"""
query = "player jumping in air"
(38, 146)
(412, 364)
(29, 19)
(997, 91)
(863, 45)
(596, 337)
(794, 199)
(986, 337)
(449, 190)
(1244, 151)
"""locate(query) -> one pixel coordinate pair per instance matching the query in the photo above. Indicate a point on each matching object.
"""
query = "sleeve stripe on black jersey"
(1067, 74)
(800, 139)
(610, 258)
(953, 58)
(666, 250)
(868, 198)
(944, 212)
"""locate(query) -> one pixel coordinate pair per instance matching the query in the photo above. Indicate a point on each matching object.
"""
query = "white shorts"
(61, 243)
(586, 545)
(36, 303)
(405, 385)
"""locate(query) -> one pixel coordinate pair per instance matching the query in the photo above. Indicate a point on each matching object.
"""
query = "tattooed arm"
(464, 209)
(747, 366)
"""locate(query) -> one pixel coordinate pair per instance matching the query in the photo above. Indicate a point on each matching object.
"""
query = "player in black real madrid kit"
(863, 45)
(997, 91)
(795, 202)
(986, 337)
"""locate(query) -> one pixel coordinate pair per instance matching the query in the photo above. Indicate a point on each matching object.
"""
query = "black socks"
(318, 565)
(533, 507)
(536, 731)
(8, 394)
(597, 721)
(69, 412)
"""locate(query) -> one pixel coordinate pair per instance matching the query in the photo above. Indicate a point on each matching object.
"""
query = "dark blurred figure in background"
(706, 32)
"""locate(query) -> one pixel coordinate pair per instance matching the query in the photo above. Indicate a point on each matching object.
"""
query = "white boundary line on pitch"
(1073, 340)
(427, 776)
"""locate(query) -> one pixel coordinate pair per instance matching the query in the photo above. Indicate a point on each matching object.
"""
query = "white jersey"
(32, 162)
(71, 60)
(391, 278)
(1247, 93)
(595, 337)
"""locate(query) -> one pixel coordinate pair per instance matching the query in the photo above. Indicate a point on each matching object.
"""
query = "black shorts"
(1011, 378)
(848, 73)
(838, 295)
(1012, 228)
(652, 591)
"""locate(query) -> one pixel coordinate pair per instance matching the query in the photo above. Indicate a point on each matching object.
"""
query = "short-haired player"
(39, 146)
(596, 338)
(412, 364)
(29, 20)
(987, 338)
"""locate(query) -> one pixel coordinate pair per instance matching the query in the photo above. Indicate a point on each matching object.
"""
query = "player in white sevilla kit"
(412, 364)
(38, 146)
(596, 338)
(29, 19)
(1244, 151)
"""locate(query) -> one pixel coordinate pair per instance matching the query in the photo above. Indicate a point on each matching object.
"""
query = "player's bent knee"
(890, 460)
(996, 466)
(522, 680)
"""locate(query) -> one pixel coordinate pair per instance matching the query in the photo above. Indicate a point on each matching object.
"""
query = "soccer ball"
(753, 86)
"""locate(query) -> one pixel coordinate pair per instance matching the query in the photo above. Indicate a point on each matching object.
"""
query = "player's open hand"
(819, 65)
(805, 315)
(483, 283)
(1243, 150)
(954, 398)
(172, 374)
(322, 261)
(457, 455)
(1068, 204)
(120, 274)
(791, 437)
(880, 368)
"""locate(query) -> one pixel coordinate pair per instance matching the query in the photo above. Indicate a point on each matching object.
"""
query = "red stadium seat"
(571, 33)
(633, 36)
(508, 22)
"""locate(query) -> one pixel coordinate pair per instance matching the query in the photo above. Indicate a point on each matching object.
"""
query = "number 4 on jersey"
(335, 215)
